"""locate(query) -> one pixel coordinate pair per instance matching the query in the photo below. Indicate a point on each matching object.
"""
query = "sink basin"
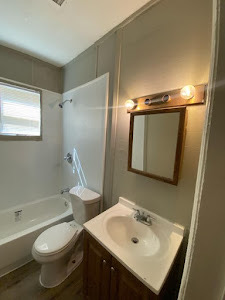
(132, 236)
(148, 252)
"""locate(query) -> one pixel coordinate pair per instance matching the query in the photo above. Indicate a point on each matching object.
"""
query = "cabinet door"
(97, 262)
(125, 286)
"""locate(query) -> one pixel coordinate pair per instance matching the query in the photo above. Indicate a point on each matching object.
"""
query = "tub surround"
(32, 169)
(162, 239)
(84, 134)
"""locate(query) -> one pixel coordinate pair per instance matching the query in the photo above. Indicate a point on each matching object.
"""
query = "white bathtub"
(17, 234)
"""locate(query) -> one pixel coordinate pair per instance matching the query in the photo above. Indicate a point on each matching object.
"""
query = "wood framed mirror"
(155, 143)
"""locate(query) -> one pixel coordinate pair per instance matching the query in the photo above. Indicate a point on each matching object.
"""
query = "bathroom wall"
(24, 68)
(158, 52)
(206, 268)
(159, 55)
(84, 134)
(81, 69)
(30, 170)
(95, 61)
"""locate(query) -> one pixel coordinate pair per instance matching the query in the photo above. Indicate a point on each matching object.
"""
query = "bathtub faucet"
(65, 191)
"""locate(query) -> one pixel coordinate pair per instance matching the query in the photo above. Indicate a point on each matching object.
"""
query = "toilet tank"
(85, 204)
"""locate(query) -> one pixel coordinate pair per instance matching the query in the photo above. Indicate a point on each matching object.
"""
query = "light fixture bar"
(188, 95)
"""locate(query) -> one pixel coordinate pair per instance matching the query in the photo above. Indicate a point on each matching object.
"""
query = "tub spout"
(66, 190)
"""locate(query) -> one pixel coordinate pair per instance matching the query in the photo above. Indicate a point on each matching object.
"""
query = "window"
(20, 111)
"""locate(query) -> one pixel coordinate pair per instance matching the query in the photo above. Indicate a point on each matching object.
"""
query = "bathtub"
(21, 225)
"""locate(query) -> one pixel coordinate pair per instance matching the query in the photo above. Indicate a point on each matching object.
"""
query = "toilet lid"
(55, 238)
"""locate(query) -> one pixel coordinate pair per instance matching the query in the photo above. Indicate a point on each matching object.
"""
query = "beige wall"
(171, 202)
(162, 52)
(96, 61)
(164, 48)
(207, 270)
(80, 70)
(23, 68)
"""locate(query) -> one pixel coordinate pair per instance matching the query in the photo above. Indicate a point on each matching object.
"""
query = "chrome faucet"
(66, 190)
(142, 217)
(69, 158)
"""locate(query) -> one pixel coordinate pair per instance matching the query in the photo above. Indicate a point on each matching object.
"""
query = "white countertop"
(150, 260)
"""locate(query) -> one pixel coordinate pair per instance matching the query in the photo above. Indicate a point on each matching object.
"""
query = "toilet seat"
(55, 239)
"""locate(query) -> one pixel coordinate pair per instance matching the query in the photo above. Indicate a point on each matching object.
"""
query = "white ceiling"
(58, 34)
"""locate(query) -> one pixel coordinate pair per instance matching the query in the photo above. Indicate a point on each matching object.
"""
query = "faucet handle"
(150, 218)
(68, 158)
(137, 212)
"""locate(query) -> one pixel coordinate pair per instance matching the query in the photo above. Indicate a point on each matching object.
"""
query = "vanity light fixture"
(166, 98)
(187, 92)
(130, 104)
(188, 95)
(158, 100)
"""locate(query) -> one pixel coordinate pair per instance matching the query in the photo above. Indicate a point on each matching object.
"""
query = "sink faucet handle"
(137, 211)
(137, 214)
(150, 218)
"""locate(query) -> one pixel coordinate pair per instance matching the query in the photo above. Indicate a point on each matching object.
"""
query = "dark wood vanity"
(106, 278)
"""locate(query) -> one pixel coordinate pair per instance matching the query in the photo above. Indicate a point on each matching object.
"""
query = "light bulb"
(129, 104)
(187, 92)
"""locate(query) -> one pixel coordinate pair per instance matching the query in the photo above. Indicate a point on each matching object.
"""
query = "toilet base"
(74, 263)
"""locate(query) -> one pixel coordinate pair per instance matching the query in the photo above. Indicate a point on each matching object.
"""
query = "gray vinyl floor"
(23, 284)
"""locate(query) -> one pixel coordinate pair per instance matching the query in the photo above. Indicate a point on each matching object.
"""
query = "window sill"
(20, 138)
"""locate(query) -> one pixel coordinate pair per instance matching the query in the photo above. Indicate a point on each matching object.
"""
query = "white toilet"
(59, 249)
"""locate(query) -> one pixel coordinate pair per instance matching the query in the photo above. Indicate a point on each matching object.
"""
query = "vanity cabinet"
(97, 264)
(124, 285)
(106, 278)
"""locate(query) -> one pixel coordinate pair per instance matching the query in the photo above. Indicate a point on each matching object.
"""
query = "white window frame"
(21, 137)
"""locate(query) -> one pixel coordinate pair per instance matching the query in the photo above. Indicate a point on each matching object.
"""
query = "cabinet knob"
(112, 269)
(104, 261)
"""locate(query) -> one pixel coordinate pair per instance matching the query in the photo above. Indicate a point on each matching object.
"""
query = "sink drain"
(135, 240)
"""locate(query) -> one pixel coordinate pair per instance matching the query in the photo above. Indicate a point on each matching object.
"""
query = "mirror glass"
(156, 143)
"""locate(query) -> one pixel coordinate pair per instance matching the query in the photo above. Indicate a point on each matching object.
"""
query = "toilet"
(59, 249)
